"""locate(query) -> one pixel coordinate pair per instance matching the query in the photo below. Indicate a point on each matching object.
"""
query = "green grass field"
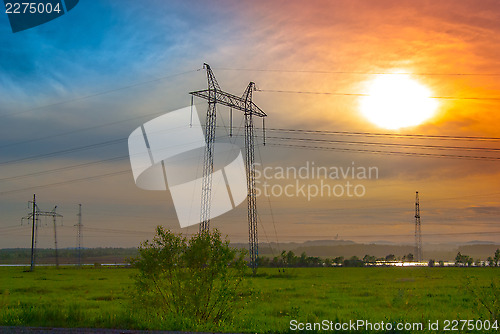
(98, 297)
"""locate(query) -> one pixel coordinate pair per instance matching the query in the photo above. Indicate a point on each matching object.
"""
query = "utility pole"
(215, 95)
(79, 235)
(54, 217)
(418, 230)
(34, 216)
(33, 234)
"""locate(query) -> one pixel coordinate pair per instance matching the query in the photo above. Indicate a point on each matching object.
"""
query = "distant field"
(97, 297)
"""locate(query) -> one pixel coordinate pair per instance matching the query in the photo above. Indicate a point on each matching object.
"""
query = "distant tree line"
(462, 260)
(290, 260)
(18, 255)
(284, 260)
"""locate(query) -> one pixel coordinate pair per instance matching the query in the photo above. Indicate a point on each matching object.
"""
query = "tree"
(291, 259)
(461, 260)
(303, 259)
(198, 279)
(263, 261)
(338, 260)
(368, 259)
(409, 257)
(432, 263)
(497, 257)
(283, 258)
(390, 257)
(354, 261)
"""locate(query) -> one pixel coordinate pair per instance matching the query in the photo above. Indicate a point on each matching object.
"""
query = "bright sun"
(396, 101)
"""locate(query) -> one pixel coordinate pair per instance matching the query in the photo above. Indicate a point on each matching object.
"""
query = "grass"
(99, 297)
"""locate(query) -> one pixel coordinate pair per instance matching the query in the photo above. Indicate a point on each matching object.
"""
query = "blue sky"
(99, 42)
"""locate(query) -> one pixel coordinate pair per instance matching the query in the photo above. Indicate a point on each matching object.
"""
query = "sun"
(397, 101)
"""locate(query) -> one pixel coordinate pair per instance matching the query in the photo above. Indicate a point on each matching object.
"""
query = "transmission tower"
(34, 216)
(79, 235)
(215, 95)
(418, 230)
(208, 166)
(54, 215)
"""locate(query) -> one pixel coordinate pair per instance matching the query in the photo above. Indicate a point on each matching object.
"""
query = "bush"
(487, 298)
(197, 279)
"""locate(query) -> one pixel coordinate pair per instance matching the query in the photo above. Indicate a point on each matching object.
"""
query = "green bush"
(197, 279)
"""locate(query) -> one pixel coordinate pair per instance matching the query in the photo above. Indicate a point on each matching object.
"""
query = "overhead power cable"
(61, 152)
(98, 93)
(355, 72)
(415, 154)
(388, 135)
(95, 177)
(367, 143)
(360, 94)
(61, 169)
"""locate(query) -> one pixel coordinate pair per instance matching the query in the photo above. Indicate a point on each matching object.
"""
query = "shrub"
(487, 298)
(198, 278)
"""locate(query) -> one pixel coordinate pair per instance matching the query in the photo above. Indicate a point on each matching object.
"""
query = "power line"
(389, 135)
(95, 177)
(363, 143)
(98, 93)
(359, 94)
(300, 131)
(430, 155)
(48, 171)
(161, 112)
(415, 154)
(61, 152)
(71, 150)
(356, 72)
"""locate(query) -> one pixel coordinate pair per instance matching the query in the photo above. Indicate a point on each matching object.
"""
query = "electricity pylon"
(54, 215)
(418, 230)
(215, 95)
(79, 235)
(34, 216)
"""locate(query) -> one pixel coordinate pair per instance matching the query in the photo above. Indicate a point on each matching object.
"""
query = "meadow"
(99, 297)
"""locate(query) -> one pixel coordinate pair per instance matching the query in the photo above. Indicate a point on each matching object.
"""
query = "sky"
(72, 90)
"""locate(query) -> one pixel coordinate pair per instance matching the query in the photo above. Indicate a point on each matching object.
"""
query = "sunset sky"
(72, 91)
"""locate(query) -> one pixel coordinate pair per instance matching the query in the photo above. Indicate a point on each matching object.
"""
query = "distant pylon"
(418, 230)
(54, 217)
(79, 234)
(34, 216)
(33, 231)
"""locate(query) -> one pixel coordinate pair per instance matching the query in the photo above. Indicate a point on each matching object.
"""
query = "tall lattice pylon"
(215, 95)
(253, 241)
(418, 230)
(208, 166)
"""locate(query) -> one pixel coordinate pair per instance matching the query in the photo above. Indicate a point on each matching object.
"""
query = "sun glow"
(396, 101)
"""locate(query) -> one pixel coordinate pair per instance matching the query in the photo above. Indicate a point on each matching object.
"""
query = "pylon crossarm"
(230, 100)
